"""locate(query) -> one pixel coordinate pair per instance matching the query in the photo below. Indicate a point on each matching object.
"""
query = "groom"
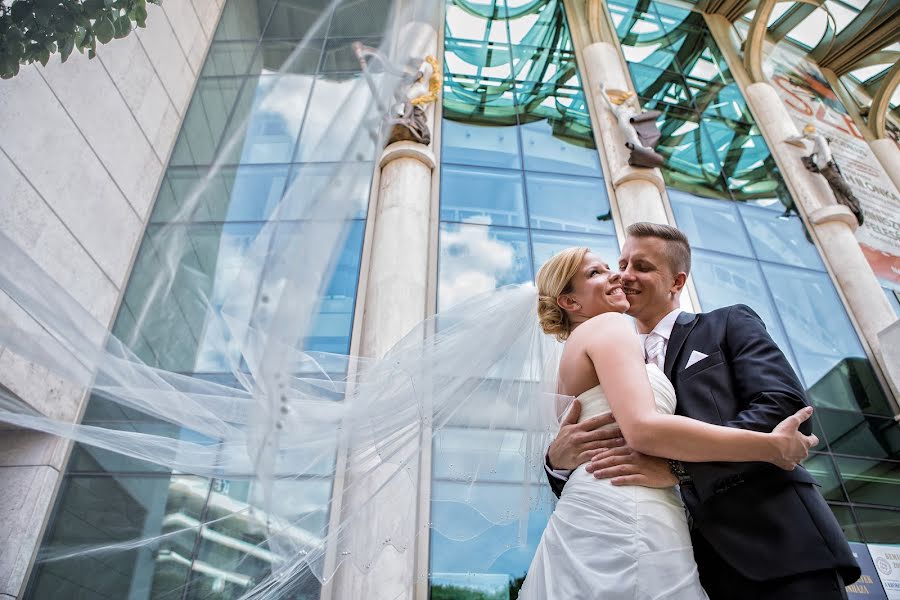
(758, 532)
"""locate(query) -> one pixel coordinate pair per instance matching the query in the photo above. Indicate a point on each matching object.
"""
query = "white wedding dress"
(608, 542)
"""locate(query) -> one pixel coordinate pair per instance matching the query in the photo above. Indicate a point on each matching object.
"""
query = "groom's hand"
(578, 442)
(625, 466)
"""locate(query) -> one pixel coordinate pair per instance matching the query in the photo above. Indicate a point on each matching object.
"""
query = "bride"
(627, 541)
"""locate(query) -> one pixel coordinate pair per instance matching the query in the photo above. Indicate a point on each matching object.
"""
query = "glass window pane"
(860, 435)
(871, 481)
(462, 24)
(288, 57)
(879, 526)
(488, 558)
(359, 18)
(267, 119)
(235, 541)
(779, 239)
(819, 329)
(339, 56)
(205, 121)
(310, 178)
(822, 468)
(650, 82)
(567, 203)
(845, 518)
(96, 511)
(333, 324)
(243, 19)
(242, 193)
(322, 141)
(472, 144)
(228, 58)
(851, 385)
(710, 224)
(483, 196)
(894, 299)
(475, 259)
(726, 102)
(723, 280)
(545, 151)
(294, 19)
(91, 459)
(547, 244)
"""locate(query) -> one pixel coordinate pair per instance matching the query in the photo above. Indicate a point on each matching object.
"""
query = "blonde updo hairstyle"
(553, 280)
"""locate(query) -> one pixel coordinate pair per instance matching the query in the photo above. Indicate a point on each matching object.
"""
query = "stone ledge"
(834, 214)
(407, 150)
(628, 173)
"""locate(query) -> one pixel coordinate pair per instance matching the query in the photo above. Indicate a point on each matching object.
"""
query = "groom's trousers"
(722, 582)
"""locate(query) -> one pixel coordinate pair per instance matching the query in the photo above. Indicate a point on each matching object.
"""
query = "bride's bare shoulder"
(603, 326)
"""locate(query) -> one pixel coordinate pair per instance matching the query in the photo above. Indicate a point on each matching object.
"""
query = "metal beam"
(881, 102)
(756, 37)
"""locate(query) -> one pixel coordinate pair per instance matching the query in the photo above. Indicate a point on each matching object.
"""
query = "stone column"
(889, 156)
(833, 224)
(380, 492)
(638, 192)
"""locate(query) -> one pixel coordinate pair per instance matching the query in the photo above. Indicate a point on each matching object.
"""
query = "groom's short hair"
(678, 249)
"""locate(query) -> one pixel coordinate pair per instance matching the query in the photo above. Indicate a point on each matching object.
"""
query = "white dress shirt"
(662, 329)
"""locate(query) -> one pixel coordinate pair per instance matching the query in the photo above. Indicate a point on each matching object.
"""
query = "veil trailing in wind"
(283, 413)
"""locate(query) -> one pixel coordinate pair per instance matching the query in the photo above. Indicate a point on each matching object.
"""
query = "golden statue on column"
(406, 119)
(638, 128)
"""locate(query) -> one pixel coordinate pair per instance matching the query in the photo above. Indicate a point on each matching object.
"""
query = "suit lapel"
(683, 326)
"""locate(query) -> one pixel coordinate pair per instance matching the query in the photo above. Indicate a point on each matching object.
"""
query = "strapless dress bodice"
(593, 401)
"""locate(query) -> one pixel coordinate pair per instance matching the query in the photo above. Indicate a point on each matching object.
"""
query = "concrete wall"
(83, 146)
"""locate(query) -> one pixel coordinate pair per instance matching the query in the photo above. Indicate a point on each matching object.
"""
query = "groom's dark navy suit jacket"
(764, 521)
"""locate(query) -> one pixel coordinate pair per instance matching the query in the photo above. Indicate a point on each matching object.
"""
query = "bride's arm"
(614, 349)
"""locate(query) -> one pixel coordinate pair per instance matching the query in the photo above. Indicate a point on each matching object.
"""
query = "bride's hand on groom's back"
(577, 442)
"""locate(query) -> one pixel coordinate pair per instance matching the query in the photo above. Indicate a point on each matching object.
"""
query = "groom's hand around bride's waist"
(625, 466)
(577, 442)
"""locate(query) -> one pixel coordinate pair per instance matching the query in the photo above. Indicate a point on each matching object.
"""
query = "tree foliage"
(33, 30)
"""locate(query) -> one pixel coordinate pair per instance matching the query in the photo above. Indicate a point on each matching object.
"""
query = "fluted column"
(834, 224)
(638, 191)
(889, 156)
(378, 550)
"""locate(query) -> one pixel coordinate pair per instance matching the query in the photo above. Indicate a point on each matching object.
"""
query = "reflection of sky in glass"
(475, 258)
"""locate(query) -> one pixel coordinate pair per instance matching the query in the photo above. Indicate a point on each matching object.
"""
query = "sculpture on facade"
(821, 161)
(406, 119)
(638, 128)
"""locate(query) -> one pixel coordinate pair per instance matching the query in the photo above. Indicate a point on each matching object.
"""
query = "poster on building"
(810, 99)
(868, 586)
(887, 564)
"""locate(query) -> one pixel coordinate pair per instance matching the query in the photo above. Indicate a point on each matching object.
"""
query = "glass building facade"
(210, 536)
(521, 178)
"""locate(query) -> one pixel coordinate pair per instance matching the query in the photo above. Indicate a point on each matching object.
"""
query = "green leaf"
(21, 10)
(104, 30)
(123, 26)
(44, 56)
(139, 15)
(93, 8)
(66, 47)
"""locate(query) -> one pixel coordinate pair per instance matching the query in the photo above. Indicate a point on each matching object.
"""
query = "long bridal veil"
(286, 414)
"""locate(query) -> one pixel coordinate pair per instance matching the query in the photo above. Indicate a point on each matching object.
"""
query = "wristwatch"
(677, 469)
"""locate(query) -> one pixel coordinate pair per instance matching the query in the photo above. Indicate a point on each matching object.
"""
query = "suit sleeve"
(767, 390)
(763, 378)
(557, 482)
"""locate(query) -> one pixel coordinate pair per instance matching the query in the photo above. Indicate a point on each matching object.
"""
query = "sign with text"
(887, 564)
(868, 586)
(810, 99)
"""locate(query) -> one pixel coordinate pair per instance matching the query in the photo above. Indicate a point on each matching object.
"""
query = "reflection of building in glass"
(522, 173)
